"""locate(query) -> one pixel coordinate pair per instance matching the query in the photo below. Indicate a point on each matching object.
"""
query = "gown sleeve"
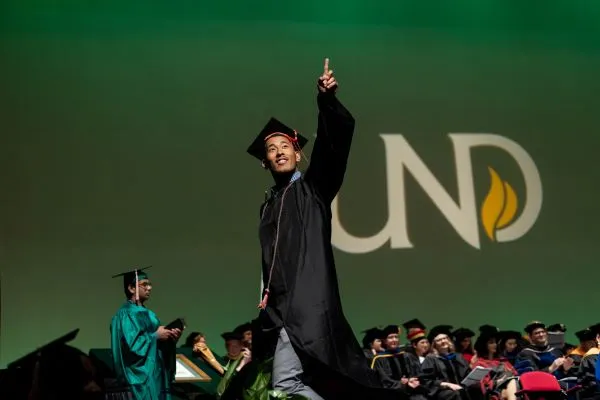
(135, 333)
(384, 372)
(332, 147)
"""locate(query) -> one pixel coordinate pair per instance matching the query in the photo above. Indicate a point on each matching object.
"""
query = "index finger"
(326, 66)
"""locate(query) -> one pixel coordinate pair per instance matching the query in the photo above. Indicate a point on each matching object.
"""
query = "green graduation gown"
(137, 357)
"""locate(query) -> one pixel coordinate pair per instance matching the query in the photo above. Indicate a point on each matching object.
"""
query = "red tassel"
(263, 304)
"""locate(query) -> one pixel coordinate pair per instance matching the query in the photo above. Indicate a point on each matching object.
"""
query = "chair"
(538, 385)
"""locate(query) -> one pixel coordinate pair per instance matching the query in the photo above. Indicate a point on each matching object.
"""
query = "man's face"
(144, 289)
(234, 348)
(281, 156)
(539, 336)
(392, 341)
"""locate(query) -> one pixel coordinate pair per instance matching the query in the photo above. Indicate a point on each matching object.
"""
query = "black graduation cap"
(440, 330)
(533, 325)
(462, 333)
(272, 128)
(488, 330)
(370, 336)
(48, 349)
(557, 328)
(132, 277)
(585, 334)
(129, 277)
(507, 335)
(245, 327)
(413, 324)
(390, 330)
(227, 336)
(595, 328)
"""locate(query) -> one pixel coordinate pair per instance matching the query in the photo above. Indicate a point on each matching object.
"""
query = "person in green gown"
(135, 335)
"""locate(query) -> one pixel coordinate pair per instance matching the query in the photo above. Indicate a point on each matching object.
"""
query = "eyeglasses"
(146, 285)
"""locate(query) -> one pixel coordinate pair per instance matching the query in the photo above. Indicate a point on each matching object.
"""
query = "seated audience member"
(510, 344)
(538, 355)
(444, 369)
(394, 367)
(462, 338)
(419, 344)
(500, 383)
(586, 375)
(372, 343)
(245, 330)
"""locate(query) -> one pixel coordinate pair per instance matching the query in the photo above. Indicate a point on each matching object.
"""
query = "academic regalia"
(458, 336)
(370, 336)
(438, 368)
(415, 332)
(537, 358)
(586, 376)
(503, 337)
(392, 366)
(138, 360)
(229, 336)
(452, 368)
(502, 370)
(303, 295)
(577, 354)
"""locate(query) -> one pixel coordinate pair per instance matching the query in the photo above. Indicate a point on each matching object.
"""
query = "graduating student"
(301, 324)
(135, 335)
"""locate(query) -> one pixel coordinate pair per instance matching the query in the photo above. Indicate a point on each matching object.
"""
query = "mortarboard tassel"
(263, 304)
(137, 290)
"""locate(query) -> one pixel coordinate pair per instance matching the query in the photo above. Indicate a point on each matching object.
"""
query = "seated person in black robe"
(372, 343)
(586, 374)
(396, 369)
(538, 355)
(510, 344)
(444, 369)
(417, 337)
(587, 340)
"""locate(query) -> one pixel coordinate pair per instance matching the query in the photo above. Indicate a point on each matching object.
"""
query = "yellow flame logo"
(499, 207)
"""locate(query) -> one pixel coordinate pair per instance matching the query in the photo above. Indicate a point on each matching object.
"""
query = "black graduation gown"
(437, 369)
(586, 377)
(304, 296)
(391, 368)
(536, 358)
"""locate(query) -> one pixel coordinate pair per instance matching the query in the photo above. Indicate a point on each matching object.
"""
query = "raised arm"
(334, 138)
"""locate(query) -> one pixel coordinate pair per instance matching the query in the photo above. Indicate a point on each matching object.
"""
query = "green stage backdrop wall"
(470, 195)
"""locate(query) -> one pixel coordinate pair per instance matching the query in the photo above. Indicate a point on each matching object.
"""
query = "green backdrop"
(124, 129)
